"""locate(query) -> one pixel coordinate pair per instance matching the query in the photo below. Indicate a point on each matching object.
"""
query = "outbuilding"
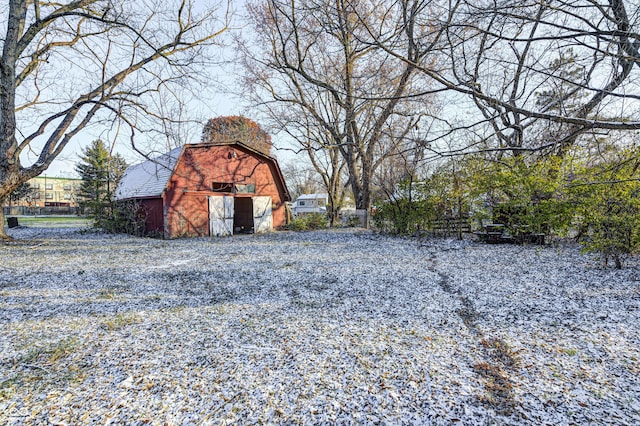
(207, 189)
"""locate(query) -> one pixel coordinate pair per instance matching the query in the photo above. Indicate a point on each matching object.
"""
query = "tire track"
(498, 361)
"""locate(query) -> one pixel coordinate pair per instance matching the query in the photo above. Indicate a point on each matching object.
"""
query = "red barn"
(210, 189)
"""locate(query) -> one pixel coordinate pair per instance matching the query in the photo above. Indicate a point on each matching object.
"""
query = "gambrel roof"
(149, 178)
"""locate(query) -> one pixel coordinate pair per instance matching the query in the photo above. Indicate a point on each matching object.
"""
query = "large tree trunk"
(3, 231)
(362, 195)
(11, 177)
(7, 185)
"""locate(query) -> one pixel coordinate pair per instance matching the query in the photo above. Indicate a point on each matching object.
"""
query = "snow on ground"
(334, 327)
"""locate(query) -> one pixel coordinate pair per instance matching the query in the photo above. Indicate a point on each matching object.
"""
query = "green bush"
(417, 206)
(607, 200)
(404, 216)
(525, 196)
(594, 197)
(308, 222)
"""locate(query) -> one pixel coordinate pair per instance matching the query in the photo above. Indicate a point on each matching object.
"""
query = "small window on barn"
(222, 187)
(245, 188)
(301, 203)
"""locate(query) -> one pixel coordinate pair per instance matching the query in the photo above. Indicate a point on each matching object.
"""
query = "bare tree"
(311, 137)
(541, 74)
(402, 167)
(327, 162)
(301, 178)
(67, 65)
(316, 68)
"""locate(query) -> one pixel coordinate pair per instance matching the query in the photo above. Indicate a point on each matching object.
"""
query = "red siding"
(187, 208)
(154, 218)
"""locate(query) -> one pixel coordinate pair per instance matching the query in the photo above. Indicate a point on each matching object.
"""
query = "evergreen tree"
(100, 172)
(24, 191)
(564, 93)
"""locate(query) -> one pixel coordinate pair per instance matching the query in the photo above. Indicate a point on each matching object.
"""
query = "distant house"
(208, 189)
(310, 203)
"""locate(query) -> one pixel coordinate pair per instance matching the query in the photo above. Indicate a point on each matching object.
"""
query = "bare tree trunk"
(3, 230)
(7, 185)
(524, 43)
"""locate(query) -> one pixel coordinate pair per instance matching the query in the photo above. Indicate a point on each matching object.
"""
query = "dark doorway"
(243, 215)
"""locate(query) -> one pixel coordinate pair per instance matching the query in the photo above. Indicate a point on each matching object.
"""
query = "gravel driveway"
(334, 327)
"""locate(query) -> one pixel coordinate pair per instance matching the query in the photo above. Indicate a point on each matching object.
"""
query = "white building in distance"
(310, 203)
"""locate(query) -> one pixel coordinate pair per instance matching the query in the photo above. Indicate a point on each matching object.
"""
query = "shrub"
(404, 216)
(525, 196)
(420, 206)
(123, 217)
(607, 200)
(308, 222)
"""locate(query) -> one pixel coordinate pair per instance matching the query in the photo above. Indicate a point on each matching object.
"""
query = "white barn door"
(262, 219)
(220, 216)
